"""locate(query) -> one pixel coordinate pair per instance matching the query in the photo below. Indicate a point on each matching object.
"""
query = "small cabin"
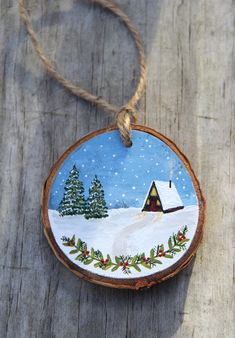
(162, 196)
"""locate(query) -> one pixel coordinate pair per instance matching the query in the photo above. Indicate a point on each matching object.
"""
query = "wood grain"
(189, 98)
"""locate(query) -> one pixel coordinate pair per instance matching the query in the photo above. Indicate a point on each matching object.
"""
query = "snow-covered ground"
(125, 232)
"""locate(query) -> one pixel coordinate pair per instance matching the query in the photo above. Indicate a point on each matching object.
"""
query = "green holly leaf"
(135, 266)
(79, 243)
(157, 261)
(109, 258)
(168, 256)
(96, 265)
(176, 250)
(78, 257)
(170, 243)
(92, 252)
(115, 268)
(88, 261)
(133, 260)
(161, 247)
(145, 265)
(72, 252)
(117, 259)
(152, 254)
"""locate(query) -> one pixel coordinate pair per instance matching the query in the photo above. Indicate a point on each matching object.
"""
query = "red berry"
(148, 258)
(180, 239)
(180, 233)
(127, 263)
(102, 260)
(87, 252)
(121, 263)
(106, 260)
(160, 254)
(184, 236)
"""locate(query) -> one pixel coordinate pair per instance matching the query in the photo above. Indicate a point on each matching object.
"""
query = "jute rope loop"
(124, 115)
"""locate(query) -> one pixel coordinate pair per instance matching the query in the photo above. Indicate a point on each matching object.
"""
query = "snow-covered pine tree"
(73, 201)
(95, 205)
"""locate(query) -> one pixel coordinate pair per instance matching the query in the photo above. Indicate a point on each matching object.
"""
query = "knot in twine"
(124, 118)
(127, 113)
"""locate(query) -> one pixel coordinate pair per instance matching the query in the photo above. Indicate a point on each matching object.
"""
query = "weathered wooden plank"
(189, 97)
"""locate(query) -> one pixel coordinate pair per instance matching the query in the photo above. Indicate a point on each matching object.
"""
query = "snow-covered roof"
(169, 196)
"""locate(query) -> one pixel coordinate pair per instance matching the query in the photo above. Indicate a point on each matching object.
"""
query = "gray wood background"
(190, 98)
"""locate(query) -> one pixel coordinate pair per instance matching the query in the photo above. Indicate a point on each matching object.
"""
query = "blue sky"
(125, 173)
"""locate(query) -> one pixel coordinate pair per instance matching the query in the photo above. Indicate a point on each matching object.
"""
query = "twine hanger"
(124, 115)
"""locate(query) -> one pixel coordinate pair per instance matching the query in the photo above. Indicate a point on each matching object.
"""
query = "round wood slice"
(147, 225)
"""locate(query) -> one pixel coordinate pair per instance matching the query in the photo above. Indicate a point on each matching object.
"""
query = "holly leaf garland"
(176, 243)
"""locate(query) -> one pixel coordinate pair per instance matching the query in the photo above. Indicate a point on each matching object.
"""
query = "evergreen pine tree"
(73, 201)
(95, 205)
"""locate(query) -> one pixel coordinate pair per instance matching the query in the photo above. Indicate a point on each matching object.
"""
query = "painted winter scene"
(123, 212)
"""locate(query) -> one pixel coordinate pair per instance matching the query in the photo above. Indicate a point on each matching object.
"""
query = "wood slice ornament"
(121, 212)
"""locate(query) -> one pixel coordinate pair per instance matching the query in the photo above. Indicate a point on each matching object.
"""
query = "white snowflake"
(157, 163)
(101, 146)
(93, 160)
(137, 199)
(83, 165)
(184, 187)
(133, 187)
(110, 138)
(116, 173)
(104, 167)
(177, 178)
(114, 155)
(136, 176)
(146, 140)
(84, 149)
(150, 146)
(110, 204)
(85, 175)
(124, 168)
(148, 171)
(60, 172)
(123, 195)
(180, 172)
(110, 194)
